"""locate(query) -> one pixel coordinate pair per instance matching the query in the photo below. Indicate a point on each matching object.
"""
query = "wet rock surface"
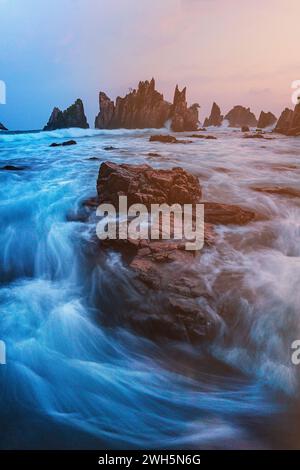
(165, 267)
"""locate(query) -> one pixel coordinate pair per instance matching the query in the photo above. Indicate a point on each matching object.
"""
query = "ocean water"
(73, 381)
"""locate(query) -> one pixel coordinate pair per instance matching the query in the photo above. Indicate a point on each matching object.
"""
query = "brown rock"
(215, 118)
(182, 117)
(280, 190)
(240, 116)
(72, 117)
(266, 120)
(284, 122)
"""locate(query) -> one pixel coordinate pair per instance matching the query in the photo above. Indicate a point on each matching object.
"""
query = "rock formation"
(215, 118)
(182, 117)
(266, 120)
(289, 122)
(240, 116)
(284, 121)
(163, 269)
(72, 117)
(146, 108)
(2, 127)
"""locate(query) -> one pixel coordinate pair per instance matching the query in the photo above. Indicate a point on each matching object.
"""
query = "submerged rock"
(167, 139)
(63, 144)
(72, 117)
(215, 118)
(2, 127)
(146, 108)
(266, 120)
(12, 168)
(240, 116)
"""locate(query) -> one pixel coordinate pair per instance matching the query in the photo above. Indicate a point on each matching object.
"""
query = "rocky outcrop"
(146, 108)
(63, 144)
(173, 297)
(284, 122)
(182, 117)
(2, 127)
(266, 120)
(142, 184)
(215, 118)
(240, 116)
(72, 117)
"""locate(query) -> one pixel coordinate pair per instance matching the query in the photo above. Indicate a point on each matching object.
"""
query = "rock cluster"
(146, 108)
(72, 117)
(240, 116)
(215, 118)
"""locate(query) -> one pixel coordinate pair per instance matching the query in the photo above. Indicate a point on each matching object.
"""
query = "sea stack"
(182, 117)
(240, 116)
(266, 120)
(2, 127)
(72, 117)
(284, 122)
(215, 118)
(146, 108)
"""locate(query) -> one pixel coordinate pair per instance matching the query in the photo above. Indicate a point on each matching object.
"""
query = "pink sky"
(228, 51)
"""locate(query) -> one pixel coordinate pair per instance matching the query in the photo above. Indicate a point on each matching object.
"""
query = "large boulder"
(266, 120)
(72, 117)
(215, 118)
(240, 116)
(146, 108)
(284, 122)
(2, 127)
(173, 295)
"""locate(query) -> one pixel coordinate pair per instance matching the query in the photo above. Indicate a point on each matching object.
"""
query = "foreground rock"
(266, 120)
(72, 117)
(215, 118)
(163, 269)
(240, 116)
(146, 108)
(2, 127)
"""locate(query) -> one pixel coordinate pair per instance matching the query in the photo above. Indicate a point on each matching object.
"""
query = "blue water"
(73, 381)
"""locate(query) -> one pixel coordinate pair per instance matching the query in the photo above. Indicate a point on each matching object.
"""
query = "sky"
(228, 51)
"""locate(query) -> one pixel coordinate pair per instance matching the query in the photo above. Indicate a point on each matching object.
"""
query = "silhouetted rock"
(215, 118)
(146, 108)
(284, 122)
(63, 144)
(12, 168)
(109, 147)
(266, 120)
(240, 116)
(182, 117)
(2, 127)
(72, 117)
